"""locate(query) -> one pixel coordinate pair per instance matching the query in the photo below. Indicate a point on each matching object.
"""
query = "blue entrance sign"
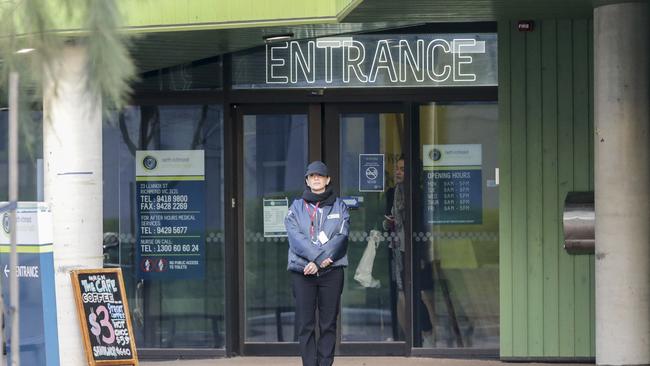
(371, 172)
(39, 343)
(170, 197)
(453, 184)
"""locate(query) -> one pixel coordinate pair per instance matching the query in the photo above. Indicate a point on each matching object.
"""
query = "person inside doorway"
(394, 223)
(317, 228)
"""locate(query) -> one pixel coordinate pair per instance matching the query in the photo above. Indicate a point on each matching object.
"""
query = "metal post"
(13, 198)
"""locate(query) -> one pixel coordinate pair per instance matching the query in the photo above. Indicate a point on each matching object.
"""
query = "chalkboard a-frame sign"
(104, 317)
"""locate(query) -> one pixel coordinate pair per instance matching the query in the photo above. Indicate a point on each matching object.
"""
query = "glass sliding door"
(275, 153)
(456, 227)
(373, 307)
(423, 243)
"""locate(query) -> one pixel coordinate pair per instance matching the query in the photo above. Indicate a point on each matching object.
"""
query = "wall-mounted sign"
(275, 210)
(453, 184)
(451, 155)
(104, 317)
(371, 173)
(400, 60)
(170, 197)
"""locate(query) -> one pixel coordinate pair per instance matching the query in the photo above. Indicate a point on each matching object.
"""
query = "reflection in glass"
(30, 157)
(275, 157)
(372, 309)
(171, 313)
(456, 228)
(199, 75)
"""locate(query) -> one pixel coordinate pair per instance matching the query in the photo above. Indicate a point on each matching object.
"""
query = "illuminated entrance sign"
(397, 63)
(376, 61)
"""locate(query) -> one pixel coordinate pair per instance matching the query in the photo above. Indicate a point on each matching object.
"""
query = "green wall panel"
(505, 193)
(550, 229)
(534, 195)
(519, 209)
(545, 88)
(565, 173)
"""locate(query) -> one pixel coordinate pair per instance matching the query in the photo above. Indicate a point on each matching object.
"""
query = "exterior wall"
(546, 150)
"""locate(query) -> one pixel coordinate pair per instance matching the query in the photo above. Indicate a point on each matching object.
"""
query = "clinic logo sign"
(435, 154)
(452, 155)
(149, 162)
(5, 223)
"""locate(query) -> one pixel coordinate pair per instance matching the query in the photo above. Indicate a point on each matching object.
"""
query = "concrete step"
(341, 361)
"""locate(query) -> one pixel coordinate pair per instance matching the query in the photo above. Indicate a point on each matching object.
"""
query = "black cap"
(317, 167)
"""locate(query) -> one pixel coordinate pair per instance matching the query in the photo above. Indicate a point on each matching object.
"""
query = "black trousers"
(322, 293)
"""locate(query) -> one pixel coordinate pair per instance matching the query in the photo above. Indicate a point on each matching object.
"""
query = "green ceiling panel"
(467, 10)
(345, 7)
(174, 15)
(214, 14)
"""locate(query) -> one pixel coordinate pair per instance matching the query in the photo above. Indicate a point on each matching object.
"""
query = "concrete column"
(72, 152)
(622, 182)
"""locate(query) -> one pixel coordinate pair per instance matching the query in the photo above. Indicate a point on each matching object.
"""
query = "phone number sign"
(170, 220)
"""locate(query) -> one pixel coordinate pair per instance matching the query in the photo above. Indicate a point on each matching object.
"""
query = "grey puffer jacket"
(333, 221)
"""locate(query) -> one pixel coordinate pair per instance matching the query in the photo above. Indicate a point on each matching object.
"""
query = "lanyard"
(312, 217)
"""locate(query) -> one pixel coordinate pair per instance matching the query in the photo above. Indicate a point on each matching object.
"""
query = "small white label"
(275, 210)
(322, 237)
(333, 216)
(452, 155)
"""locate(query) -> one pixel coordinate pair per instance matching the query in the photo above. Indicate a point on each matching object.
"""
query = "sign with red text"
(170, 201)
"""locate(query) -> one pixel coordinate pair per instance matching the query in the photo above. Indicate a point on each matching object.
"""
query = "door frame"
(324, 144)
(238, 305)
(332, 112)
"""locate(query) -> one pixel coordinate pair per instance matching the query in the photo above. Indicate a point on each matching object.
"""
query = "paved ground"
(340, 361)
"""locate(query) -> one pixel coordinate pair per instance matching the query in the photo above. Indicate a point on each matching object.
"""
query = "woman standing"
(317, 228)
(395, 220)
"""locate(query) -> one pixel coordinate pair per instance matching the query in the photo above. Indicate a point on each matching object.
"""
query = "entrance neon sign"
(346, 61)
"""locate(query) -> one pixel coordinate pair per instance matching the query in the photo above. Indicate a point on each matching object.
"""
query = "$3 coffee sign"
(96, 327)
(104, 317)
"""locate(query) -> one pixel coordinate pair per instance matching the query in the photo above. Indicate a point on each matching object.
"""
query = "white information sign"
(451, 155)
(275, 210)
(33, 222)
